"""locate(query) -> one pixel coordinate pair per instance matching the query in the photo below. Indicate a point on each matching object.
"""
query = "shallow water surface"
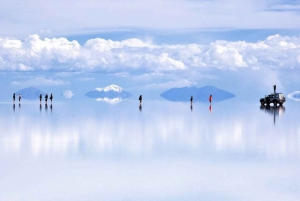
(162, 151)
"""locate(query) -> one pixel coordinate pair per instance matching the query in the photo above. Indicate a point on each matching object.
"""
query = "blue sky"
(147, 47)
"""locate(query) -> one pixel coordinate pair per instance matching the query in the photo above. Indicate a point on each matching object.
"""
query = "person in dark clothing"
(41, 97)
(274, 87)
(140, 99)
(51, 97)
(14, 97)
(46, 98)
(192, 98)
(20, 97)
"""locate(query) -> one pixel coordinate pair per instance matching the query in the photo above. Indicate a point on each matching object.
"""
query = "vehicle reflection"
(273, 110)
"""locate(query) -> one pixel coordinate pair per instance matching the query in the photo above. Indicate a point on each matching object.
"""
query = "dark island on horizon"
(201, 94)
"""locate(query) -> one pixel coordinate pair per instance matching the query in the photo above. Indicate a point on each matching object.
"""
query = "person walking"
(41, 97)
(20, 97)
(210, 98)
(51, 97)
(14, 97)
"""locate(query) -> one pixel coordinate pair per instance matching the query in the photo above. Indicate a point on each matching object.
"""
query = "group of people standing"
(46, 98)
(41, 97)
(14, 97)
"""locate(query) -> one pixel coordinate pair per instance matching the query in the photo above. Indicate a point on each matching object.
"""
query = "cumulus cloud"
(135, 55)
(67, 94)
(294, 96)
(40, 81)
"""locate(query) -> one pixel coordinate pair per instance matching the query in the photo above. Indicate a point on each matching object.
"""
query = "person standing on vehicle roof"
(274, 87)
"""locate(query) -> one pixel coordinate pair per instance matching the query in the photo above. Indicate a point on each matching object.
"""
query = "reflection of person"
(274, 87)
(210, 108)
(14, 97)
(51, 97)
(20, 97)
(41, 97)
(140, 99)
(210, 98)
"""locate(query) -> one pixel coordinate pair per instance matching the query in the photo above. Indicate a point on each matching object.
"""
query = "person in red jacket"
(210, 98)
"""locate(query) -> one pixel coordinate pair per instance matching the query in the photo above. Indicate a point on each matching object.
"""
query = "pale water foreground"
(96, 151)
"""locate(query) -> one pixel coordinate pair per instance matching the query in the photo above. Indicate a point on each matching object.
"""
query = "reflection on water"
(273, 110)
(162, 128)
(105, 151)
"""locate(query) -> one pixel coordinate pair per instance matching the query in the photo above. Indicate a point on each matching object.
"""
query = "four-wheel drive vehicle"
(275, 98)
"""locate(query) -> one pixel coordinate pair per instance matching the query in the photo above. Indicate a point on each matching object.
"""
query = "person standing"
(192, 98)
(274, 87)
(210, 98)
(51, 97)
(41, 97)
(20, 97)
(140, 99)
(14, 97)
(46, 98)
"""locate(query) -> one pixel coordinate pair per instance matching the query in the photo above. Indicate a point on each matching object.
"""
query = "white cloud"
(67, 94)
(294, 96)
(100, 55)
(38, 81)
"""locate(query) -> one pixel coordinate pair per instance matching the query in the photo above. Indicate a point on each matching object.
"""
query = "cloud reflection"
(166, 129)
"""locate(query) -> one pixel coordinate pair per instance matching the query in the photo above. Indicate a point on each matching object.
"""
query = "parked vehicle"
(275, 98)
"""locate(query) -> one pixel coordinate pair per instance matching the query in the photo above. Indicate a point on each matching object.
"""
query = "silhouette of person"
(41, 97)
(40, 107)
(51, 107)
(140, 107)
(192, 98)
(191, 107)
(140, 99)
(51, 97)
(210, 98)
(274, 87)
(210, 109)
(14, 106)
(46, 106)
(20, 97)
(46, 98)
(14, 97)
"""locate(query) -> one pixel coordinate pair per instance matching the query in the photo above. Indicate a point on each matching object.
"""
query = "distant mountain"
(30, 93)
(111, 92)
(199, 94)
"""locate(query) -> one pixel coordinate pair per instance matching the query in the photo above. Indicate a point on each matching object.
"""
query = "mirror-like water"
(162, 151)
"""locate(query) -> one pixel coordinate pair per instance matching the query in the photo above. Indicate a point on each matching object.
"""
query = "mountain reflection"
(164, 129)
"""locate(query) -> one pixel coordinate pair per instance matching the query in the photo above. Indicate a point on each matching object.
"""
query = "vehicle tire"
(280, 104)
(262, 102)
